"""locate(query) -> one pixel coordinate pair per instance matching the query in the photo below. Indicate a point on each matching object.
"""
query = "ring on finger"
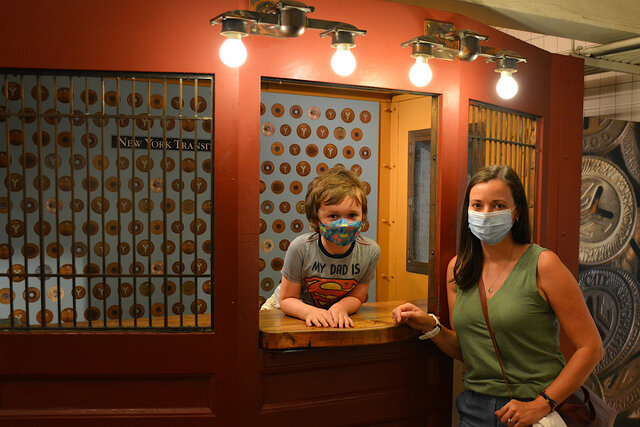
(509, 421)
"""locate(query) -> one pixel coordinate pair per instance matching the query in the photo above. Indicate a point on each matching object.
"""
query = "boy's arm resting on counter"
(292, 305)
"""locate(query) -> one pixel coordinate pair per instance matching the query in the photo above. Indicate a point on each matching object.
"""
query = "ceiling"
(614, 24)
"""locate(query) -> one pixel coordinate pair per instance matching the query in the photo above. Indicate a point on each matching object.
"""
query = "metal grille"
(107, 201)
(501, 136)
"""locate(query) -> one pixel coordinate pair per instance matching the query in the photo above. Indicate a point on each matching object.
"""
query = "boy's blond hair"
(331, 188)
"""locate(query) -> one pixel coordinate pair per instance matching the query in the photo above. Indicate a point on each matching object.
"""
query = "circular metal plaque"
(607, 211)
(601, 135)
(613, 299)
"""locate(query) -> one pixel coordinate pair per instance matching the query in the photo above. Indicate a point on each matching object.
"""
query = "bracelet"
(552, 403)
(435, 331)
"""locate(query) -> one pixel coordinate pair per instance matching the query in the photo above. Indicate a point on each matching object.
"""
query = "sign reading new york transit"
(144, 142)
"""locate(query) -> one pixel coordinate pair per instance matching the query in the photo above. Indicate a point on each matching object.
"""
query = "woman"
(529, 290)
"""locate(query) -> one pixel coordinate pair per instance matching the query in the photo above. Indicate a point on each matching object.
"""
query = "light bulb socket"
(234, 26)
(506, 64)
(422, 49)
(341, 37)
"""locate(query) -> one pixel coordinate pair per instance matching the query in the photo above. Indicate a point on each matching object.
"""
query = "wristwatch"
(435, 331)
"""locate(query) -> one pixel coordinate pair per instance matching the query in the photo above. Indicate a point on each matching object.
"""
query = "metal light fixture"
(441, 41)
(422, 49)
(285, 19)
(506, 61)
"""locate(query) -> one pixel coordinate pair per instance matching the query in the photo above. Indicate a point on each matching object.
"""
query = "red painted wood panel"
(165, 36)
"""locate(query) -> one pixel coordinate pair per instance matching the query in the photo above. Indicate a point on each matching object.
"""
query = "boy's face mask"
(342, 232)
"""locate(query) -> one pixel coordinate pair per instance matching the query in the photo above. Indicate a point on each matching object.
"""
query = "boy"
(326, 273)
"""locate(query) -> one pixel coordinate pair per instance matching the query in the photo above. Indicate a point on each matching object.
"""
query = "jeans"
(478, 410)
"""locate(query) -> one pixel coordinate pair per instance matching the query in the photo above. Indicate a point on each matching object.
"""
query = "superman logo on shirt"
(325, 292)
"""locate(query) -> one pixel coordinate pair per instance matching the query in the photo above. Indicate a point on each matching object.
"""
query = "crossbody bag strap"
(483, 302)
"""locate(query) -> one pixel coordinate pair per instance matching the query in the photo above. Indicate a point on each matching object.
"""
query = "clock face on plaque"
(607, 211)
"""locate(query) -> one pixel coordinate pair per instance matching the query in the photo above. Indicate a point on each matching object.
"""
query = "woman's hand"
(319, 317)
(340, 316)
(413, 316)
(522, 414)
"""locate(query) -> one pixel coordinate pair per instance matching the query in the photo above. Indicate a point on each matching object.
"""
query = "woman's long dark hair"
(468, 266)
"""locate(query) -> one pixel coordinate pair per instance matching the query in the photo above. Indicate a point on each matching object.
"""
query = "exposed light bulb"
(420, 74)
(343, 62)
(232, 52)
(507, 86)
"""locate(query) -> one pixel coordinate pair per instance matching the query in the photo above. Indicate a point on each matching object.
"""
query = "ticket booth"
(151, 138)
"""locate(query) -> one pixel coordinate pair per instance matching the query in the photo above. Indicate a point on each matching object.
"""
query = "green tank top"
(526, 330)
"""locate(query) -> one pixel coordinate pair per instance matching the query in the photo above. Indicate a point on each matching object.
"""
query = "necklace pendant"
(490, 290)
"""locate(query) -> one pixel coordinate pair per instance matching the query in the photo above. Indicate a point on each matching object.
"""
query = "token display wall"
(301, 137)
(106, 198)
(609, 255)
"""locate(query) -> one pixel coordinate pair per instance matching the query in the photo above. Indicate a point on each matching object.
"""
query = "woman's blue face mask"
(490, 227)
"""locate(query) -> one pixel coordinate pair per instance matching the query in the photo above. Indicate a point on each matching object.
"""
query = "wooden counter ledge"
(372, 325)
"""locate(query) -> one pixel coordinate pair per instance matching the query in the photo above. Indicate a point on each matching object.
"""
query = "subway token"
(206, 287)
(157, 309)
(268, 129)
(199, 306)
(157, 101)
(111, 98)
(266, 245)
(602, 135)
(44, 316)
(616, 293)
(169, 287)
(266, 207)
(189, 287)
(168, 247)
(68, 315)
(322, 132)
(157, 267)
(607, 211)
(314, 113)
(285, 130)
(89, 96)
(277, 110)
(29, 205)
(125, 290)
(295, 111)
(147, 289)
(198, 105)
(330, 114)
(30, 250)
(114, 312)
(347, 115)
(134, 100)
(54, 294)
(6, 296)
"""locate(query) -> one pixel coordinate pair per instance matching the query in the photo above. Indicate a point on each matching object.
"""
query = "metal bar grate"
(501, 136)
(107, 201)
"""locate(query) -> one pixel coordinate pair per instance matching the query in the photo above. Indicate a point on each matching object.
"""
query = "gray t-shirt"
(326, 278)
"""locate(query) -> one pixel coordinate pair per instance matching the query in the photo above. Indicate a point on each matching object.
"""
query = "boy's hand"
(319, 317)
(340, 316)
